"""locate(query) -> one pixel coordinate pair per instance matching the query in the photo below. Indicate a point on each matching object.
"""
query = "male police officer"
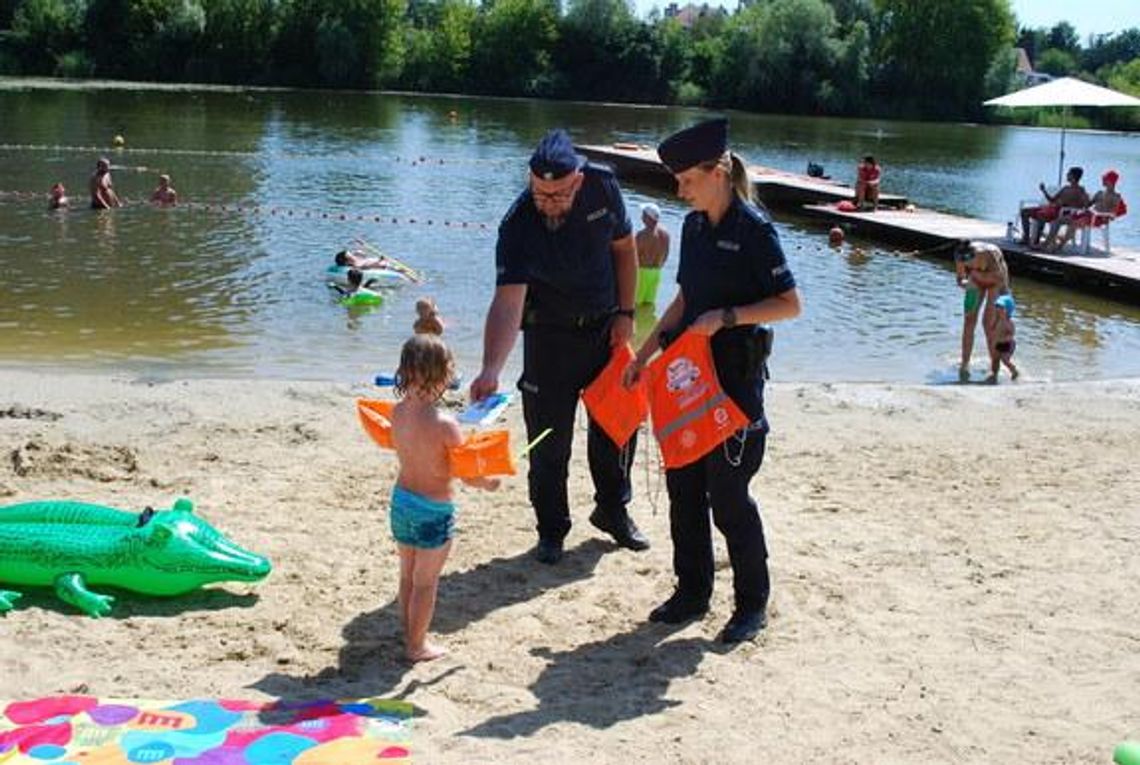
(566, 272)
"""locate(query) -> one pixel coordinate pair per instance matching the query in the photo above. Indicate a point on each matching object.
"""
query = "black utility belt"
(744, 350)
(535, 318)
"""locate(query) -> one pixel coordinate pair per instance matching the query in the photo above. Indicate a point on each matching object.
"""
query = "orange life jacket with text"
(692, 415)
(484, 453)
(618, 410)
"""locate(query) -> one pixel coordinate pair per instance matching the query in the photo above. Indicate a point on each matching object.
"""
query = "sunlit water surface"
(202, 291)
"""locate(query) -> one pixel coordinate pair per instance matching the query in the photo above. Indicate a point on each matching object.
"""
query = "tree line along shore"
(888, 58)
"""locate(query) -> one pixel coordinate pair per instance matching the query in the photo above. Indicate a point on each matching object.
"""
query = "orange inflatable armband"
(485, 453)
(618, 410)
(692, 415)
(376, 417)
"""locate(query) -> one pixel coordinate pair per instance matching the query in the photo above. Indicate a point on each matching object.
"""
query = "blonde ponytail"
(738, 176)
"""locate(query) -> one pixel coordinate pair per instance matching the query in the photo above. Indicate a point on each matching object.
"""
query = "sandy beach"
(955, 575)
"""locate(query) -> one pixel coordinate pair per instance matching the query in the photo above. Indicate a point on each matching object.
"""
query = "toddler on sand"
(422, 513)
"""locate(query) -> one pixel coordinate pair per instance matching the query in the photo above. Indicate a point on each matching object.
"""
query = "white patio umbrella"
(1065, 92)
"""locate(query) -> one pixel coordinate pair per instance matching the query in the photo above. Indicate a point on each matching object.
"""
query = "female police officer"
(733, 278)
(566, 271)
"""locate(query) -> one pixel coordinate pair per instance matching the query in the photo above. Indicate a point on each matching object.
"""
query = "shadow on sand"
(371, 660)
(601, 684)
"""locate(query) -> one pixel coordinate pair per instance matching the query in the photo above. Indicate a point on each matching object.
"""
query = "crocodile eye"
(160, 536)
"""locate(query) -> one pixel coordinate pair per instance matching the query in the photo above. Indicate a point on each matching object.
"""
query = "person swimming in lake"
(103, 196)
(359, 259)
(164, 195)
(58, 199)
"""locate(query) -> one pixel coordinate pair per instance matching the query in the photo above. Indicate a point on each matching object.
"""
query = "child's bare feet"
(428, 652)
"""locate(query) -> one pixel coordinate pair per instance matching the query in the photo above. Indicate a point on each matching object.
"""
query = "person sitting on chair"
(1071, 195)
(1106, 204)
(867, 183)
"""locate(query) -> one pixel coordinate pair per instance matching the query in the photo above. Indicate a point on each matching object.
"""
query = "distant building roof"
(1024, 69)
(1023, 64)
(689, 13)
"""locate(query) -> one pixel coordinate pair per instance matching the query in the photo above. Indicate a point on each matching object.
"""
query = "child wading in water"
(422, 513)
(1003, 338)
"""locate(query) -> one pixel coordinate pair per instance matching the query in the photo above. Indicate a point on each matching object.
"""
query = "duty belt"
(535, 318)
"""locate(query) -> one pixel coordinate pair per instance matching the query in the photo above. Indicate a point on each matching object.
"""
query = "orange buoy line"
(285, 212)
(114, 150)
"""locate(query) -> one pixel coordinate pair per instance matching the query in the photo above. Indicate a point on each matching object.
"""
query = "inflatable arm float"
(69, 545)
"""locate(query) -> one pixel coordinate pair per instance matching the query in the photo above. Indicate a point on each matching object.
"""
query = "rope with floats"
(282, 212)
(415, 161)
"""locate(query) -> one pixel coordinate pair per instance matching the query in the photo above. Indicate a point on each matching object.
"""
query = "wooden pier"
(1116, 275)
(775, 188)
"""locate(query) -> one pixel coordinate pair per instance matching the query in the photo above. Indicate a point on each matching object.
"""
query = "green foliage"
(935, 53)
(340, 43)
(1056, 62)
(7, 11)
(1116, 48)
(788, 55)
(600, 38)
(1001, 78)
(42, 30)
(439, 53)
(237, 42)
(690, 94)
(1124, 77)
(925, 58)
(1063, 36)
(74, 63)
(514, 42)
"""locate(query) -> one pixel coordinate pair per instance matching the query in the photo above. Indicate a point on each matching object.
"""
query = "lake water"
(215, 287)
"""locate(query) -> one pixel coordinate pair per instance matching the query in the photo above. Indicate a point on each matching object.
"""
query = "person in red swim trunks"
(867, 183)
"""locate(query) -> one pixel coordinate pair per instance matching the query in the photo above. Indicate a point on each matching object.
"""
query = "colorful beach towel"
(90, 731)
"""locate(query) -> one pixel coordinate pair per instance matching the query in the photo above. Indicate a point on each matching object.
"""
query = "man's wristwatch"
(626, 312)
(728, 318)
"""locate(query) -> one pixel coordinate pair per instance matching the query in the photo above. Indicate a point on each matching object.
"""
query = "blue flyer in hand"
(485, 411)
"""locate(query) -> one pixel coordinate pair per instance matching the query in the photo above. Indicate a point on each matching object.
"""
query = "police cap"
(689, 147)
(554, 157)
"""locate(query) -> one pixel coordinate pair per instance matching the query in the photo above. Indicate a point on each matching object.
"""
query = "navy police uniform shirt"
(735, 263)
(569, 272)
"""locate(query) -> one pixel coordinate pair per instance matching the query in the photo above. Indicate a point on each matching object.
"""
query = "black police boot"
(678, 609)
(621, 527)
(548, 551)
(744, 625)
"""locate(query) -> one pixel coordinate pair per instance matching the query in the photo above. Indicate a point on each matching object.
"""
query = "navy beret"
(687, 148)
(554, 157)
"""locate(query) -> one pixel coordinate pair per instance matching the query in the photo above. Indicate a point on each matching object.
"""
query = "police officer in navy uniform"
(733, 281)
(566, 272)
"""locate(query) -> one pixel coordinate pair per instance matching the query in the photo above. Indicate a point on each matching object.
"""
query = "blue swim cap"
(1006, 302)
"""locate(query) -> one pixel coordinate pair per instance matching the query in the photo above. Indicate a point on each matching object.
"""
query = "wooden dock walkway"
(775, 188)
(1116, 273)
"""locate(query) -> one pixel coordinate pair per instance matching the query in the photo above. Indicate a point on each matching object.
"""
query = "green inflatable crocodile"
(70, 545)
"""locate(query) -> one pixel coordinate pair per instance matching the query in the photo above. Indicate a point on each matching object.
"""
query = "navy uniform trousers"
(558, 362)
(720, 480)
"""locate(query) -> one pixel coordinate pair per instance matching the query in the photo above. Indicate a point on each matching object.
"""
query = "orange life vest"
(484, 453)
(692, 414)
(618, 410)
